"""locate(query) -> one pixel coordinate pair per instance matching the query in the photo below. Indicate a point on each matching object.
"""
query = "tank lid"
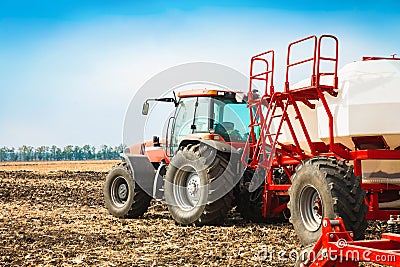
(381, 58)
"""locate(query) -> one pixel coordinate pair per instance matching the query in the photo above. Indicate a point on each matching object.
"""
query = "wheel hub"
(119, 191)
(123, 191)
(188, 191)
(193, 188)
(311, 208)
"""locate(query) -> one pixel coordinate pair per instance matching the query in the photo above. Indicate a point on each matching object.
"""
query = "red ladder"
(256, 104)
(261, 151)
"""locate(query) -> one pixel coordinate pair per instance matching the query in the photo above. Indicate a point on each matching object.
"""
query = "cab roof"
(207, 92)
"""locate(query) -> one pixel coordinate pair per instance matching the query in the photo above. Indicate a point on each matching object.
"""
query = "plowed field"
(57, 218)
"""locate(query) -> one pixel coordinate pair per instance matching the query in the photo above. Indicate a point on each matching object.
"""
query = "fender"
(217, 144)
(143, 171)
(220, 146)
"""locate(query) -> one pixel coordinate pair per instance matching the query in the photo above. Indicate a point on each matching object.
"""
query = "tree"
(30, 153)
(59, 154)
(68, 152)
(87, 152)
(27, 152)
(78, 153)
(41, 153)
(13, 154)
(22, 152)
(3, 153)
(102, 154)
(53, 152)
(94, 152)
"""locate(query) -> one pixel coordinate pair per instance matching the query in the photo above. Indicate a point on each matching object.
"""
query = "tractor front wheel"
(122, 195)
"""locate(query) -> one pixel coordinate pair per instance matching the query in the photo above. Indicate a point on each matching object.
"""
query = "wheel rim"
(311, 208)
(188, 193)
(119, 191)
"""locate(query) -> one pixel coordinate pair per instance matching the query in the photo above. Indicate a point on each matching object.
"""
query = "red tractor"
(196, 171)
(300, 154)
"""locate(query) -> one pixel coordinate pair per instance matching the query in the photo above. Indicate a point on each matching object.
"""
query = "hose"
(390, 205)
(395, 181)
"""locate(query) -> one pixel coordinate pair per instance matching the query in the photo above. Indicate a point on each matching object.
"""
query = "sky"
(69, 69)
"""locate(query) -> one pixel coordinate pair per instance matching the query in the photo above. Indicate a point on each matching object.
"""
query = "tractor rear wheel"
(251, 204)
(325, 187)
(122, 195)
(198, 186)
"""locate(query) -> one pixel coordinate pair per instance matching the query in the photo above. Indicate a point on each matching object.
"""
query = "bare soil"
(58, 218)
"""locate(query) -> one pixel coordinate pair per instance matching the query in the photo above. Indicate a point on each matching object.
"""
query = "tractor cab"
(219, 115)
(204, 114)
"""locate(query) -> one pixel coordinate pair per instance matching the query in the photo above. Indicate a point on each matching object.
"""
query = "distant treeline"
(70, 152)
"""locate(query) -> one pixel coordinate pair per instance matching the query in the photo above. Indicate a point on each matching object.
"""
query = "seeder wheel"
(325, 187)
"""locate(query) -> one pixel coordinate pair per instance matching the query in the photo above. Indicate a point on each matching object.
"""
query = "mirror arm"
(162, 99)
(176, 102)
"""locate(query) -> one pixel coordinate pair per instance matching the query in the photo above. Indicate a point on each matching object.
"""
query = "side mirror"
(145, 109)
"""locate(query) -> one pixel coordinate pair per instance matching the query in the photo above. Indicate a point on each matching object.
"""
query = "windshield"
(231, 120)
(228, 117)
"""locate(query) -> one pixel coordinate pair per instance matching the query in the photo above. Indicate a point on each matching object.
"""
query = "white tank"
(368, 104)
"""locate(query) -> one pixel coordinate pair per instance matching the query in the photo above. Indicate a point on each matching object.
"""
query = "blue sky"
(68, 69)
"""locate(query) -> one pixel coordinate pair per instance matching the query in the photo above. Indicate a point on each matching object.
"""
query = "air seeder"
(328, 146)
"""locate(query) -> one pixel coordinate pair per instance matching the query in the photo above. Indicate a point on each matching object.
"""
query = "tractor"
(325, 147)
(196, 170)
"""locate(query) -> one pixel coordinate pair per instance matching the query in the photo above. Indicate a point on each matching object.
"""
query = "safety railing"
(316, 61)
(267, 73)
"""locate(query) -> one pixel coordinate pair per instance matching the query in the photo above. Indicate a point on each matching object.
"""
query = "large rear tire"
(122, 195)
(198, 186)
(325, 187)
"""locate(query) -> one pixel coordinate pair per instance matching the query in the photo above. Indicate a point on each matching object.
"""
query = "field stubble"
(53, 217)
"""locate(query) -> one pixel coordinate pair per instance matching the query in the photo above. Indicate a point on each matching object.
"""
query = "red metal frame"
(312, 59)
(268, 75)
(267, 152)
(336, 247)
